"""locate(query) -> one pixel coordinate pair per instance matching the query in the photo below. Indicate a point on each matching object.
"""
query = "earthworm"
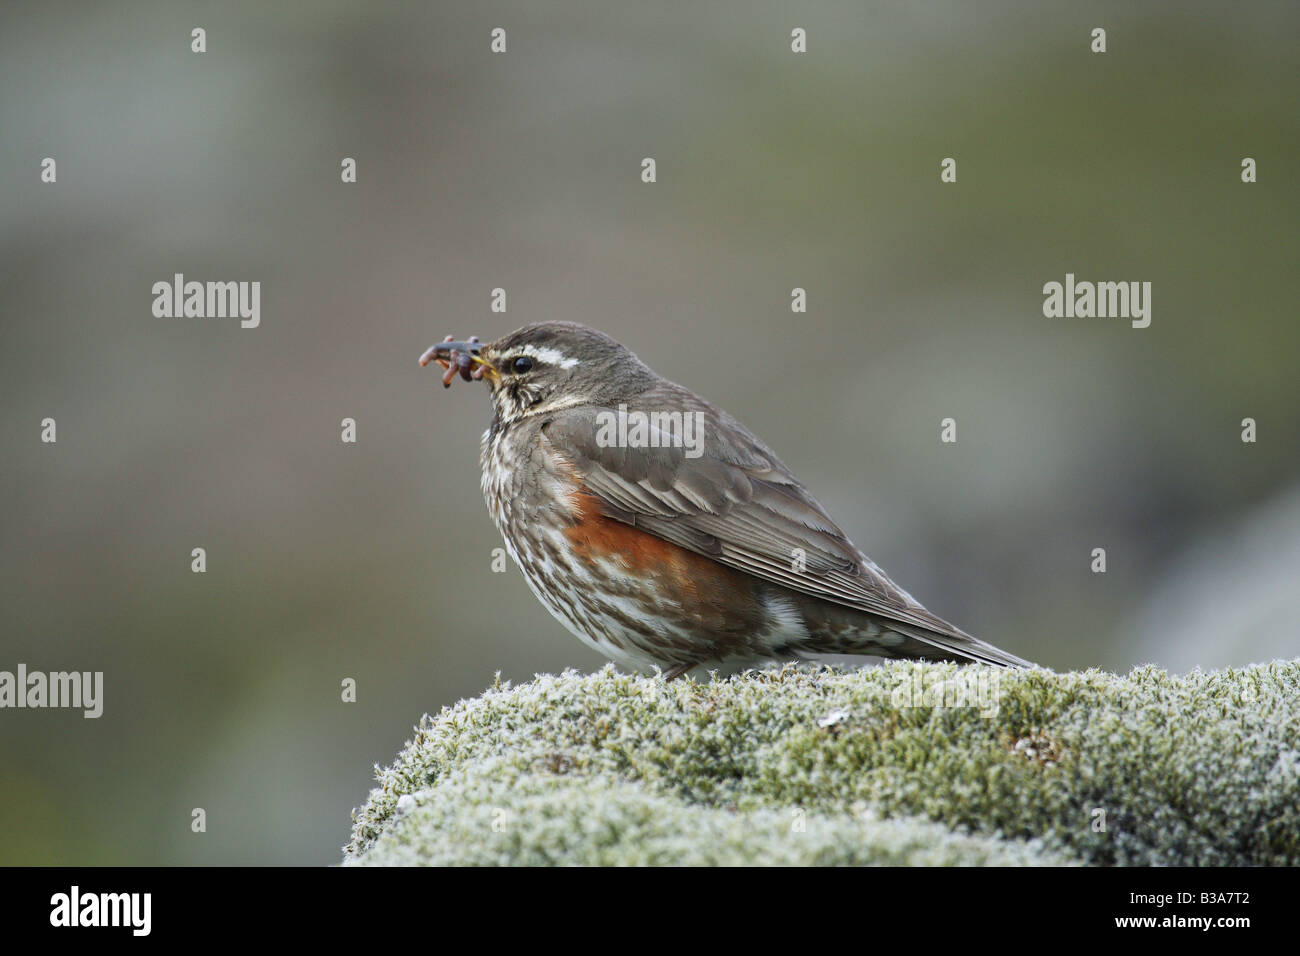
(457, 358)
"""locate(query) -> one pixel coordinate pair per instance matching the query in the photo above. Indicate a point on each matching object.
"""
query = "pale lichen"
(1039, 767)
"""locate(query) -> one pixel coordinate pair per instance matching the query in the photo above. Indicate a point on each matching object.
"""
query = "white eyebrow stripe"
(542, 354)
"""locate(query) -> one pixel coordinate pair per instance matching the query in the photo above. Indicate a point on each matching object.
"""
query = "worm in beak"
(458, 358)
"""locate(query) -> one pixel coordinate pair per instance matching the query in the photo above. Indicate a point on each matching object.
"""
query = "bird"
(661, 531)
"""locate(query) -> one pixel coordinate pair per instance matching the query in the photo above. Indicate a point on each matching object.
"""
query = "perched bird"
(660, 530)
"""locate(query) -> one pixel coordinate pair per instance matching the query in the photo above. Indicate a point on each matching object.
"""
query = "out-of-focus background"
(522, 171)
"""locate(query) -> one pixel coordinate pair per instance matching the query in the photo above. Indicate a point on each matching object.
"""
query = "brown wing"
(737, 503)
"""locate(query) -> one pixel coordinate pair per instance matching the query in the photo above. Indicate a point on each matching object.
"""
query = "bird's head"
(545, 367)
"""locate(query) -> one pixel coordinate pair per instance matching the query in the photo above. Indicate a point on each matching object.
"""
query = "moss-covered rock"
(900, 764)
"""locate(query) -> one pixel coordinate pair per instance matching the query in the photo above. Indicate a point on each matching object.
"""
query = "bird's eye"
(522, 364)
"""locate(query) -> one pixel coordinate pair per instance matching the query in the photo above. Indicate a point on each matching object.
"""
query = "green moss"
(903, 763)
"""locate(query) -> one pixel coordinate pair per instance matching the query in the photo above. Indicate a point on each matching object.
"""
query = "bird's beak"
(463, 358)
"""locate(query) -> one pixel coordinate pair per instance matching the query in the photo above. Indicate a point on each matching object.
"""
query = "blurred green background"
(776, 170)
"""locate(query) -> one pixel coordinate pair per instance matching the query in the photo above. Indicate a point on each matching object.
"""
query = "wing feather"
(737, 503)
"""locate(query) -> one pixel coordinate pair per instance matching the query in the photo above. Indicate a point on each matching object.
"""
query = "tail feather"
(959, 646)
